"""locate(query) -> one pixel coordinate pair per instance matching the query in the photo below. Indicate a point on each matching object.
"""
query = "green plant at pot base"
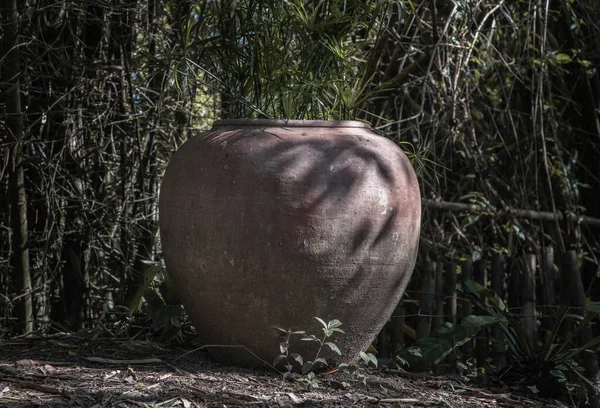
(550, 372)
(366, 361)
(164, 306)
(308, 378)
(292, 360)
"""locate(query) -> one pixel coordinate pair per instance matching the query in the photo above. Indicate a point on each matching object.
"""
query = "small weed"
(309, 380)
(366, 361)
(163, 304)
(329, 328)
(308, 367)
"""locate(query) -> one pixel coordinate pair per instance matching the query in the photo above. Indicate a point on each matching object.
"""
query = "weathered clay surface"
(274, 222)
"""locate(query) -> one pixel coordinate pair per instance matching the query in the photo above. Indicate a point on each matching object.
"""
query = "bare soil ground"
(72, 371)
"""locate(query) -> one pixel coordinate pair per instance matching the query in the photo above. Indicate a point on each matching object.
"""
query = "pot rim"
(293, 123)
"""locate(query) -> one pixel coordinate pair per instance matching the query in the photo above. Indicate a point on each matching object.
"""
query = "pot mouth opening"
(293, 123)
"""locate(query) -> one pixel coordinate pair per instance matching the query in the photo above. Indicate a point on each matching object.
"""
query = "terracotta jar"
(270, 222)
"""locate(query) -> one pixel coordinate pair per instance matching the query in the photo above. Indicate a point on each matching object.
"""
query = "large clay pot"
(268, 222)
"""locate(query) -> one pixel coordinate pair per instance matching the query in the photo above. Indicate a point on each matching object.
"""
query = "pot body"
(268, 222)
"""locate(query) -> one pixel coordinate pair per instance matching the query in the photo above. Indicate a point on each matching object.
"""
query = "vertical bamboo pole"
(548, 287)
(438, 318)
(529, 265)
(426, 299)
(383, 344)
(450, 295)
(450, 291)
(397, 329)
(573, 295)
(498, 341)
(11, 71)
(514, 284)
(466, 305)
(482, 351)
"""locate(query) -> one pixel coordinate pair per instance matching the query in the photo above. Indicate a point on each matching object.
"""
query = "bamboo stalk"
(398, 329)
(548, 287)
(450, 295)
(467, 306)
(529, 266)
(10, 72)
(438, 318)
(426, 299)
(573, 295)
(498, 341)
(482, 351)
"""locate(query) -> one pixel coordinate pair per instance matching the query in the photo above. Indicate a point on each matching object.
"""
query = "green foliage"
(555, 363)
(554, 367)
(308, 378)
(160, 294)
(293, 59)
(292, 360)
(367, 360)
(513, 330)
(427, 352)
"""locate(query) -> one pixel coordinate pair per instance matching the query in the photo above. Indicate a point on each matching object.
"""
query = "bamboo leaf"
(427, 352)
